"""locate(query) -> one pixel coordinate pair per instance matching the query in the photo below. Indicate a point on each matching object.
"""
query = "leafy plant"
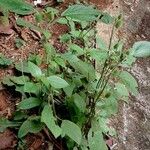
(17, 6)
(68, 96)
(142, 49)
(4, 61)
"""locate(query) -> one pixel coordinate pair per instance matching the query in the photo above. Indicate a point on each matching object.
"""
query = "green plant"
(4, 62)
(69, 97)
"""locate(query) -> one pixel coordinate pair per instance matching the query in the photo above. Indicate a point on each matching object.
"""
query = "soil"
(134, 134)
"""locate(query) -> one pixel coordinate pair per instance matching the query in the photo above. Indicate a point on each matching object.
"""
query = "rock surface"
(133, 121)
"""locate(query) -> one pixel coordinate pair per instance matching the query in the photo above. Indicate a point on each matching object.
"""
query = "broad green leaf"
(29, 103)
(106, 18)
(96, 141)
(47, 34)
(30, 87)
(50, 51)
(129, 81)
(44, 80)
(108, 106)
(71, 130)
(62, 21)
(22, 67)
(20, 89)
(50, 121)
(4, 123)
(17, 6)
(129, 60)
(77, 50)
(19, 115)
(121, 90)
(105, 127)
(34, 69)
(69, 89)
(60, 61)
(80, 12)
(65, 38)
(84, 68)
(36, 59)
(101, 43)
(31, 125)
(99, 55)
(7, 81)
(79, 102)
(57, 82)
(141, 49)
(19, 80)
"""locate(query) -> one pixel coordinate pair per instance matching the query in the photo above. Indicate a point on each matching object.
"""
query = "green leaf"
(81, 13)
(129, 60)
(50, 51)
(79, 102)
(19, 42)
(22, 67)
(99, 55)
(39, 17)
(62, 21)
(48, 118)
(69, 89)
(29, 103)
(4, 62)
(20, 89)
(71, 130)
(129, 81)
(31, 125)
(30, 87)
(18, 6)
(96, 141)
(19, 80)
(75, 49)
(60, 61)
(100, 43)
(105, 128)
(34, 69)
(26, 24)
(57, 82)
(19, 115)
(7, 81)
(108, 106)
(36, 59)
(4, 123)
(65, 38)
(84, 68)
(106, 18)
(141, 49)
(121, 90)
(119, 21)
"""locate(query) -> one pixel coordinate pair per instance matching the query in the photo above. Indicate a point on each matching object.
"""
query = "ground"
(133, 121)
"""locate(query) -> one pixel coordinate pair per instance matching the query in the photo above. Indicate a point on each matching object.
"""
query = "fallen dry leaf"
(6, 30)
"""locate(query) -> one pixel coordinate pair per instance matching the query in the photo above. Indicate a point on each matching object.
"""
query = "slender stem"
(101, 84)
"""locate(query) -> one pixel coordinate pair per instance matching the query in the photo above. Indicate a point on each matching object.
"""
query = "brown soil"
(7, 140)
